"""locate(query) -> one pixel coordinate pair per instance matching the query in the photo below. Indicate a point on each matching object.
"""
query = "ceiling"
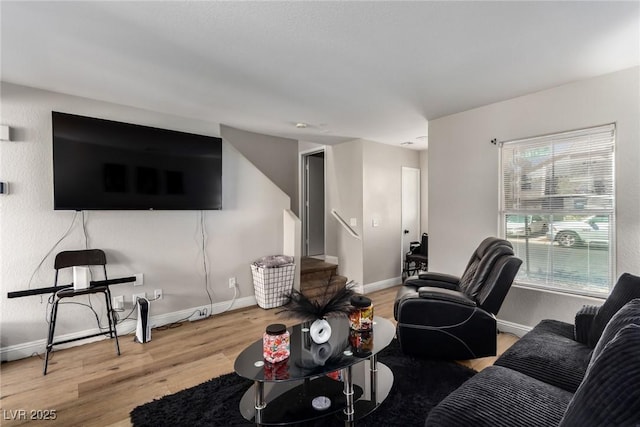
(372, 70)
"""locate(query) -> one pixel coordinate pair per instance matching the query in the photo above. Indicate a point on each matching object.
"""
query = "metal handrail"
(346, 226)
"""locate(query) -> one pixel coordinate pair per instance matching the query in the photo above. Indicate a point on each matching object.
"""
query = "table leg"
(373, 376)
(259, 401)
(348, 392)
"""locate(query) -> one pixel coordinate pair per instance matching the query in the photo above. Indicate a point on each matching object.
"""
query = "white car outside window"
(591, 230)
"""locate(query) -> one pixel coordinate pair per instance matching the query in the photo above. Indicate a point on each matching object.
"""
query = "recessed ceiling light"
(406, 143)
(301, 125)
(420, 138)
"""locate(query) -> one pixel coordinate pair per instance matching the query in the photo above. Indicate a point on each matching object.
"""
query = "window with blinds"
(558, 208)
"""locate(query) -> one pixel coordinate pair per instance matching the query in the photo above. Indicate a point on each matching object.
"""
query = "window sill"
(599, 298)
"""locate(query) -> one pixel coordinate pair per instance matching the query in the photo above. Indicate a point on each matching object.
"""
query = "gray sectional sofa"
(558, 374)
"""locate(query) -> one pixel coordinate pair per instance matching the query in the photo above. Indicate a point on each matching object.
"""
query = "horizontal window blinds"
(561, 172)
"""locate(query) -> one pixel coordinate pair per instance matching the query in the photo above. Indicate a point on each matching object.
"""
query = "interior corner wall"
(424, 191)
(343, 163)
(276, 157)
(463, 177)
(382, 202)
(166, 246)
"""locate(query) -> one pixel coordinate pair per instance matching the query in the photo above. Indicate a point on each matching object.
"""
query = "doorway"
(313, 208)
(410, 209)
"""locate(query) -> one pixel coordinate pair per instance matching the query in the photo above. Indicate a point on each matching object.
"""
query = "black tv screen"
(106, 165)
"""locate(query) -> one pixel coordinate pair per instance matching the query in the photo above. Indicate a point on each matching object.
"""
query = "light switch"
(353, 222)
(4, 133)
(375, 223)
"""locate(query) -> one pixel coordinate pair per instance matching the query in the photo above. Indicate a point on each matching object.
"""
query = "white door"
(410, 209)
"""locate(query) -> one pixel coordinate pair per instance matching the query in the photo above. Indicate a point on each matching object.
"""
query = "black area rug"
(418, 386)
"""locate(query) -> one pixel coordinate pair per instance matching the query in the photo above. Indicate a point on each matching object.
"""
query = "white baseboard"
(27, 349)
(513, 328)
(382, 284)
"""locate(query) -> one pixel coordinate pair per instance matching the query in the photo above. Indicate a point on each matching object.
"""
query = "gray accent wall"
(364, 182)
(382, 202)
(463, 177)
(344, 194)
(276, 157)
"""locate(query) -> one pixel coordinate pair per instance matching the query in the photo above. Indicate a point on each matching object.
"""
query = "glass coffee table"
(341, 377)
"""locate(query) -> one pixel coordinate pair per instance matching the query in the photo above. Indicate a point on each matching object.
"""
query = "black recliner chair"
(448, 317)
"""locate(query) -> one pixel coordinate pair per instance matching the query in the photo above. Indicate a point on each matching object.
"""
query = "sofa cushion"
(629, 314)
(499, 396)
(550, 354)
(610, 392)
(626, 289)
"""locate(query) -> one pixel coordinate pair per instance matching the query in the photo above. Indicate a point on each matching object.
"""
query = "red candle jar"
(275, 343)
(276, 371)
(361, 317)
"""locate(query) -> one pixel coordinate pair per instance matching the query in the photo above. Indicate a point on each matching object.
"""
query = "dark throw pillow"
(626, 289)
(609, 394)
(629, 314)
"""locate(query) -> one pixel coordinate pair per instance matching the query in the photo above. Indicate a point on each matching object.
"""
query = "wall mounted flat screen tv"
(106, 165)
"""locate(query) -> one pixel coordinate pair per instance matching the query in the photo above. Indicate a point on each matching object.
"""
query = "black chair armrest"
(434, 280)
(404, 293)
(439, 277)
(583, 322)
(448, 295)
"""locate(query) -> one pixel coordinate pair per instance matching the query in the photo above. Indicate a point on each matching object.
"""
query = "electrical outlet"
(139, 279)
(200, 313)
(157, 294)
(134, 297)
(118, 302)
(232, 282)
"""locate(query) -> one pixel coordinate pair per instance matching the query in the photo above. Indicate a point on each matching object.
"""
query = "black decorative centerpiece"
(317, 311)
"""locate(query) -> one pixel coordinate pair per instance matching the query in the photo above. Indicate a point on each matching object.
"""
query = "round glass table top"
(308, 359)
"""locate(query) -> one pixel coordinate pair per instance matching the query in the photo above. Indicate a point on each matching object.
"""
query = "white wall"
(344, 194)
(164, 245)
(382, 201)
(305, 146)
(463, 176)
(424, 191)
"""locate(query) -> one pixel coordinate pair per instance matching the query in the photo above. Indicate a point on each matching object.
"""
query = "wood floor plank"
(89, 385)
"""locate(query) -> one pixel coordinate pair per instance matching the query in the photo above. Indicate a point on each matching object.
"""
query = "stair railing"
(344, 224)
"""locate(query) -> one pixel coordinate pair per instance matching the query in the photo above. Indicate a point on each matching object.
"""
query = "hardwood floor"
(89, 385)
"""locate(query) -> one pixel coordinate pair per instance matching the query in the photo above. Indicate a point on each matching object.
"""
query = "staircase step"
(318, 289)
(312, 265)
(317, 275)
